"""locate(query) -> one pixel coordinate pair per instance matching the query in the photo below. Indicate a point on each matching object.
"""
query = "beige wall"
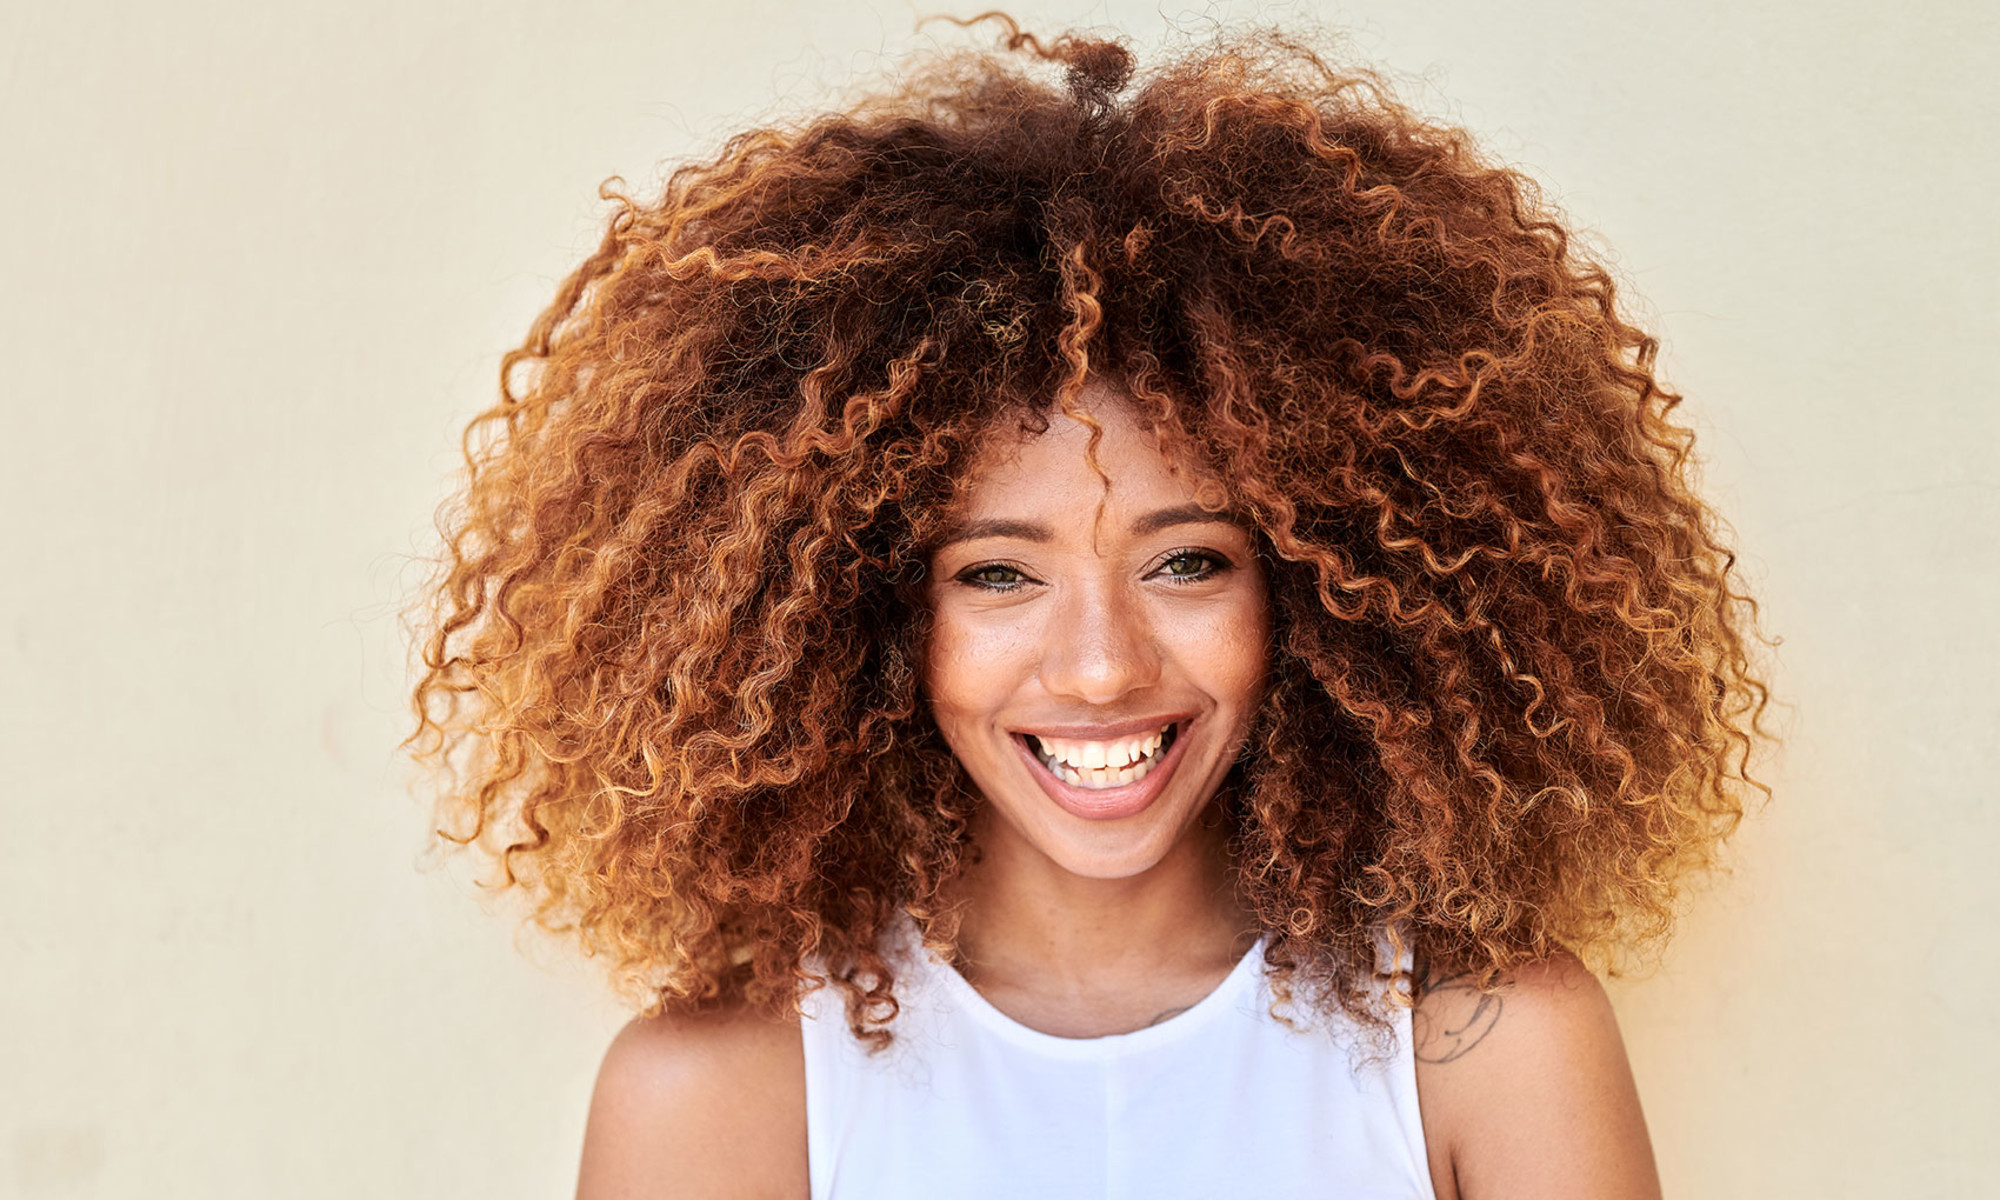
(259, 263)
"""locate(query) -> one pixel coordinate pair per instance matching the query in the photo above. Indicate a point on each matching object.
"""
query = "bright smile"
(1099, 765)
(1104, 778)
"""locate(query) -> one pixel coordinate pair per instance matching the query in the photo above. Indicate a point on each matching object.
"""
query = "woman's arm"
(1526, 1092)
(693, 1108)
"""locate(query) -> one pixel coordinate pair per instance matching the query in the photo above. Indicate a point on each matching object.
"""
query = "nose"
(1098, 646)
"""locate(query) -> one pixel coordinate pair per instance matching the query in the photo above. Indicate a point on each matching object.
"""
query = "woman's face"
(1096, 657)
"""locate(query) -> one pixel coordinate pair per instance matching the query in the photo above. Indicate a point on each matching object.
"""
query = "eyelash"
(1217, 565)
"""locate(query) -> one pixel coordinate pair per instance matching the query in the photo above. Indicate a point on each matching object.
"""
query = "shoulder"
(694, 1106)
(1525, 1089)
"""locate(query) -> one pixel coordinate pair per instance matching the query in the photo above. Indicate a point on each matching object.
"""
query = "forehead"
(1050, 471)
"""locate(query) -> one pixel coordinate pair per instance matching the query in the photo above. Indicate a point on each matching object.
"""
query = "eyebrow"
(1030, 531)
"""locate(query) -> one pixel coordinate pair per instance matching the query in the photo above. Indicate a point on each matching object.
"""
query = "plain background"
(260, 261)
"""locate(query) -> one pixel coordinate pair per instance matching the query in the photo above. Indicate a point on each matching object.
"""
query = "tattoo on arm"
(1453, 1018)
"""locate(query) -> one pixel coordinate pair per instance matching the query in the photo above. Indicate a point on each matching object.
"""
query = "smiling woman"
(1075, 646)
(1088, 663)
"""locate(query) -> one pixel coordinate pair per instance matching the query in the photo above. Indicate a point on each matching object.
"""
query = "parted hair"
(671, 677)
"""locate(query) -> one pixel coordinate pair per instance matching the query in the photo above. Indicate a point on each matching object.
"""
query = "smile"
(1107, 772)
(1097, 765)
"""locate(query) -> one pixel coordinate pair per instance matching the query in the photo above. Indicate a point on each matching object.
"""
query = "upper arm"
(1526, 1092)
(697, 1107)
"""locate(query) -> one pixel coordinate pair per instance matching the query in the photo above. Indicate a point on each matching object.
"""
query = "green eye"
(1188, 565)
(997, 576)
(1193, 567)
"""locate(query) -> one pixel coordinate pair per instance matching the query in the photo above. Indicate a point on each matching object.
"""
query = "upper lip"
(1106, 731)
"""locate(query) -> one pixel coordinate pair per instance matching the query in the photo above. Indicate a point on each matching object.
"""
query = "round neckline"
(1219, 999)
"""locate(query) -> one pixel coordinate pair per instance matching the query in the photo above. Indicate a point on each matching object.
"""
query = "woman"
(1081, 644)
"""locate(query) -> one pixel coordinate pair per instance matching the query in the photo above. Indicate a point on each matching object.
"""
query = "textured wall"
(260, 262)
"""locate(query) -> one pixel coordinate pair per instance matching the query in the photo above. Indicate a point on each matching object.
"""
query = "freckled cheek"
(1226, 651)
(971, 667)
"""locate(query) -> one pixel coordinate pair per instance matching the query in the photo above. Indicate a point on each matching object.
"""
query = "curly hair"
(672, 650)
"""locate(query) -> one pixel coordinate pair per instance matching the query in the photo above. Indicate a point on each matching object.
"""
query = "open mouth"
(1099, 765)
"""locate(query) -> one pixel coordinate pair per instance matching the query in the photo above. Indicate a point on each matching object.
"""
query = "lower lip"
(1105, 804)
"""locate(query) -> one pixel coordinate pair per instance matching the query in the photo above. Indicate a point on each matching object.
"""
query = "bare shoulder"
(1526, 1091)
(711, 1105)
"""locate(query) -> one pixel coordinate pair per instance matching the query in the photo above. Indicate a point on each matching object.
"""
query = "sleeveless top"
(1221, 1100)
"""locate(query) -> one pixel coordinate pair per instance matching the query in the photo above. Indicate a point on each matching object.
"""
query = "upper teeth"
(1121, 752)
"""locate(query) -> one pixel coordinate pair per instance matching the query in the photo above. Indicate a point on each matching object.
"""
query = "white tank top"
(1221, 1100)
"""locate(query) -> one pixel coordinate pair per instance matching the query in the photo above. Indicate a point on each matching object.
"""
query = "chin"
(1106, 854)
(1070, 835)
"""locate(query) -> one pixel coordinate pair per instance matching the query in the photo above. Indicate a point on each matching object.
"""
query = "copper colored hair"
(672, 655)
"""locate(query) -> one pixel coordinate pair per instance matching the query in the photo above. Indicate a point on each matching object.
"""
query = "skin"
(1525, 1091)
(1065, 604)
(1061, 605)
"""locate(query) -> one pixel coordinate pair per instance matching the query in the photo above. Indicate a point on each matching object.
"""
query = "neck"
(1028, 918)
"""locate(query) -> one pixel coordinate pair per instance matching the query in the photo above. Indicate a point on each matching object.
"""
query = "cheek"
(1228, 650)
(968, 666)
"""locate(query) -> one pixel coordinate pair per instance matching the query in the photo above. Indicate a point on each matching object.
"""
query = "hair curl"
(672, 652)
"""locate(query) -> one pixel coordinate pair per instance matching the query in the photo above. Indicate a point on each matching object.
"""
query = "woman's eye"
(996, 576)
(1189, 565)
